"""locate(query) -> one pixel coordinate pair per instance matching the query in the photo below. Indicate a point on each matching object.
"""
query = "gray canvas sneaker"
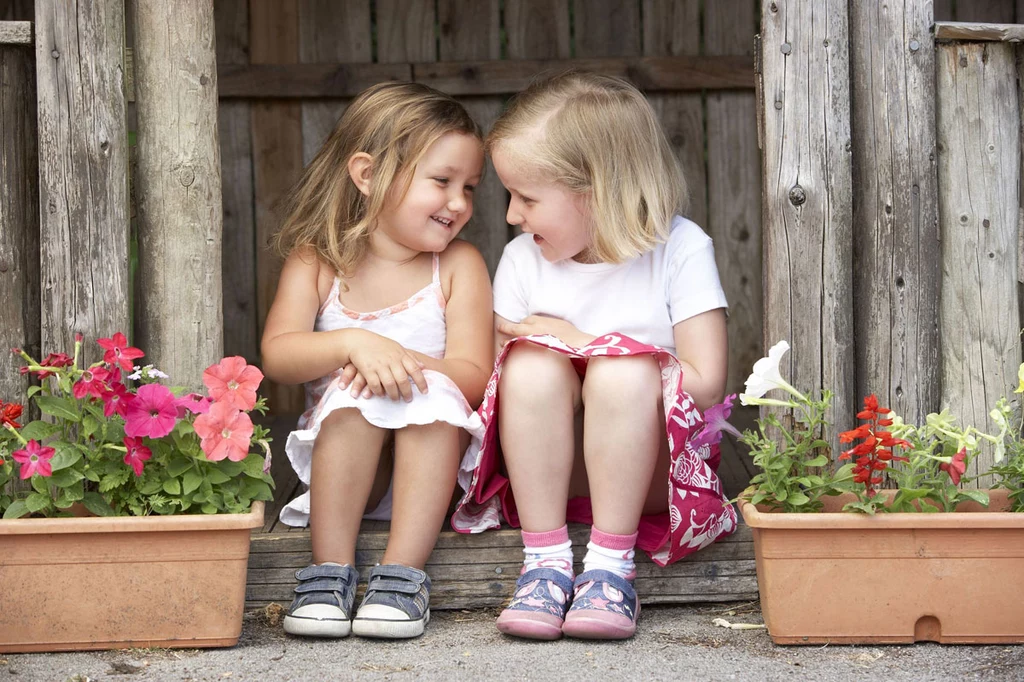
(323, 601)
(396, 604)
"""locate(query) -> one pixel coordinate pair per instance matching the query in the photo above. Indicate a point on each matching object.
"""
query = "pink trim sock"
(610, 552)
(550, 549)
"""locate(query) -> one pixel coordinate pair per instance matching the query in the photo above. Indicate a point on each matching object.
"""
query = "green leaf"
(819, 461)
(95, 503)
(39, 430)
(57, 407)
(209, 508)
(92, 475)
(979, 496)
(17, 509)
(90, 425)
(66, 477)
(40, 485)
(37, 502)
(191, 482)
(114, 480)
(216, 476)
(172, 486)
(253, 465)
(65, 456)
(179, 465)
(32, 390)
(798, 499)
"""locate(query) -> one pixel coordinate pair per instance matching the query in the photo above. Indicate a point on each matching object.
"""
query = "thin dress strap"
(437, 268)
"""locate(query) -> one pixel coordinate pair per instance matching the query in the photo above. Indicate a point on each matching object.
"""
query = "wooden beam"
(808, 208)
(474, 571)
(15, 32)
(178, 187)
(962, 30)
(489, 77)
(978, 127)
(895, 217)
(83, 172)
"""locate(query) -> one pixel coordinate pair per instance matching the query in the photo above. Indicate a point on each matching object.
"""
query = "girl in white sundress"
(387, 321)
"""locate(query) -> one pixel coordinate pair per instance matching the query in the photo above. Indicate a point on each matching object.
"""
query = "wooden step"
(472, 571)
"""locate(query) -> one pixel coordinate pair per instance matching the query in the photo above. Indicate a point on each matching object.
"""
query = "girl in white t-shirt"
(607, 283)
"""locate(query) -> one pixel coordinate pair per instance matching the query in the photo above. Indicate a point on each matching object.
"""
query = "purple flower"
(715, 422)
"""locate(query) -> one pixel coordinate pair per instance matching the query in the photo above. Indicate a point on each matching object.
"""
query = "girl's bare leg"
(345, 458)
(623, 435)
(426, 465)
(540, 392)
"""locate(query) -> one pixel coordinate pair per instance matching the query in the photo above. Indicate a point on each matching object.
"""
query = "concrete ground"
(676, 643)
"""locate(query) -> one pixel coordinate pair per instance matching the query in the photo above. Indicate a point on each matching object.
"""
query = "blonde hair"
(395, 123)
(597, 135)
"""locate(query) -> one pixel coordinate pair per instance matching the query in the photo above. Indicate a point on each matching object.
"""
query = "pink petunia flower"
(92, 382)
(233, 381)
(226, 432)
(34, 459)
(137, 454)
(715, 422)
(192, 402)
(119, 352)
(116, 400)
(152, 413)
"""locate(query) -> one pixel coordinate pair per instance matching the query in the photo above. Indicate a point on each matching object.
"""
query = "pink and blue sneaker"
(538, 607)
(604, 606)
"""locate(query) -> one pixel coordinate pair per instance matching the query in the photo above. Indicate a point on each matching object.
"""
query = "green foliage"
(794, 461)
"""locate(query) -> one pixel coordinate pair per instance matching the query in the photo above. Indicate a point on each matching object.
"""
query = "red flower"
(34, 459)
(52, 360)
(119, 352)
(956, 468)
(93, 382)
(9, 414)
(136, 455)
(870, 458)
(116, 400)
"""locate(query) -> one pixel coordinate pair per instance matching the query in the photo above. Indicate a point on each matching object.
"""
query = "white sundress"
(418, 324)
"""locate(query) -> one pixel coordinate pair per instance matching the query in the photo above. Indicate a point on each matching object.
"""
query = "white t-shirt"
(642, 298)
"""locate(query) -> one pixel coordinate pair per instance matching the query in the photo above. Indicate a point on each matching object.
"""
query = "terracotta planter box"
(846, 578)
(116, 582)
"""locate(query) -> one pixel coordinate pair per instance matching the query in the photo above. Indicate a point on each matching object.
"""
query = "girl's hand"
(541, 324)
(380, 366)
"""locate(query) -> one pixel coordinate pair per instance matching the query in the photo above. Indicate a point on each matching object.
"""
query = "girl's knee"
(624, 380)
(535, 370)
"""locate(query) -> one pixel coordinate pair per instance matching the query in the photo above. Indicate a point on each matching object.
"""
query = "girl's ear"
(360, 169)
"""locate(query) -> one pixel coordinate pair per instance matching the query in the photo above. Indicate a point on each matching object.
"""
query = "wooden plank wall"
(437, 40)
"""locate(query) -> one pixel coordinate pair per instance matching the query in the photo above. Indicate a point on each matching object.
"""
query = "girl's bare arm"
(469, 351)
(702, 347)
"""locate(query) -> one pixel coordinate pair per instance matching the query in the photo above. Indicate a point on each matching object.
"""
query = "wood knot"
(186, 177)
(797, 196)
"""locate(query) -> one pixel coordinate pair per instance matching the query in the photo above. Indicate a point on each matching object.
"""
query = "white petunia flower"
(766, 376)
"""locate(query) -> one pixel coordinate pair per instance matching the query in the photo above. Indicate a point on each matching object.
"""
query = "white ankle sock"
(613, 553)
(551, 549)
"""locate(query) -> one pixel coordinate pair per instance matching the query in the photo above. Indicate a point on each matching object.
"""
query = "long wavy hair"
(598, 136)
(395, 123)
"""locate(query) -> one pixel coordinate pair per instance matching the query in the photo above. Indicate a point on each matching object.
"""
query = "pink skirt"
(698, 511)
